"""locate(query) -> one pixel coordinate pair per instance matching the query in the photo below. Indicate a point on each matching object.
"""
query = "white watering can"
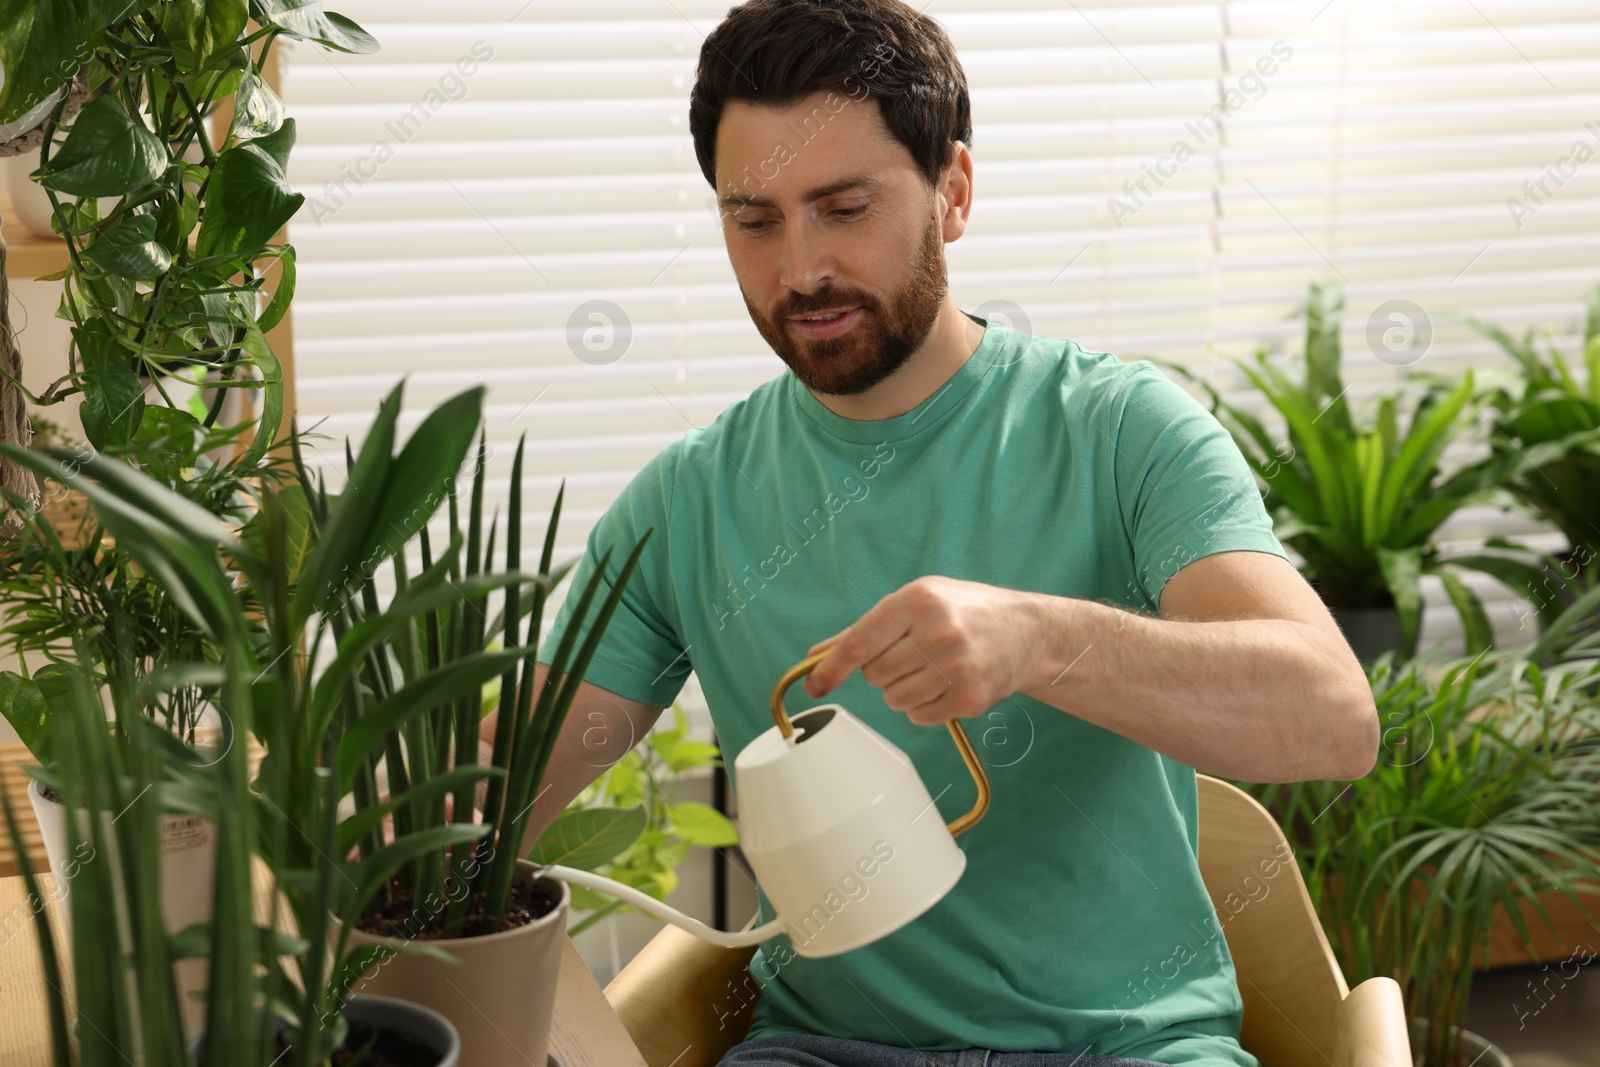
(836, 823)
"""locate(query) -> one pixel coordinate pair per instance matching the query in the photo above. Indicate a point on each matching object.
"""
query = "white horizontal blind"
(502, 164)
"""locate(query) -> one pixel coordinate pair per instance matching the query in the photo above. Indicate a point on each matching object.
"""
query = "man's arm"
(1244, 675)
(599, 730)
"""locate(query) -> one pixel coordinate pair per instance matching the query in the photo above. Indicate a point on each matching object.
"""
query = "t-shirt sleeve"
(640, 655)
(1184, 489)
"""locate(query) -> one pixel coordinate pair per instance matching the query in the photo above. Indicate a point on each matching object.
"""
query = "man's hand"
(939, 648)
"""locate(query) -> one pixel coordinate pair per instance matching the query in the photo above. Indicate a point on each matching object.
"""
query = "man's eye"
(843, 213)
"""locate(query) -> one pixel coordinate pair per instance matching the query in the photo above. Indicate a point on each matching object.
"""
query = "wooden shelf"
(28, 255)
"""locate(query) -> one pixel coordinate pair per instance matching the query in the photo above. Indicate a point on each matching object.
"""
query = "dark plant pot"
(420, 1025)
(1370, 631)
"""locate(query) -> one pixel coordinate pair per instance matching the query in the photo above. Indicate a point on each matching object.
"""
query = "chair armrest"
(684, 1001)
(1372, 1027)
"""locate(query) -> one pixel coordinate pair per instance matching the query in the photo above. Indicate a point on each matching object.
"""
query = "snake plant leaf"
(42, 44)
(465, 676)
(357, 826)
(1402, 573)
(587, 837)
(130, 250)
(374, 871)
(248, 198)
(113, 397)
(307, 20)
(109, 152)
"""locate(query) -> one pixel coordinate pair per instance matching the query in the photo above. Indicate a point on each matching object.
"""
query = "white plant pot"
(30, 205)
(500, 995)
(188, 872)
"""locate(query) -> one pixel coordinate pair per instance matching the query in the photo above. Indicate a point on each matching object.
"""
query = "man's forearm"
(1260, 700)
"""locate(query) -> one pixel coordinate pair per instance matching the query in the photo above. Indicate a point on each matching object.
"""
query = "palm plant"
(1361, 498)
(307, 560)
(1486, 794)
(90, 587)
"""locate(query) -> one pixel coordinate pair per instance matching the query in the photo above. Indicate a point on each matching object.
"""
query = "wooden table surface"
(584, 1033)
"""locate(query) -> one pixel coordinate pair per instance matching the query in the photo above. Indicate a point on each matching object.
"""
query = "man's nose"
(807, 263)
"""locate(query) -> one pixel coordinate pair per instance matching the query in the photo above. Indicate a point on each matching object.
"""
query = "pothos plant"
(623, 825)
(169, 224)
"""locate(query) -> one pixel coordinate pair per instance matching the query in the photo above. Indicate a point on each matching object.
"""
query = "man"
(1066, 551)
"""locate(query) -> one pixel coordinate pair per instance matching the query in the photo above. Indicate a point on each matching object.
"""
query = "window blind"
(507, 194)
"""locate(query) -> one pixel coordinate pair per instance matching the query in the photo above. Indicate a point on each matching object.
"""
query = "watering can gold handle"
(970, 758)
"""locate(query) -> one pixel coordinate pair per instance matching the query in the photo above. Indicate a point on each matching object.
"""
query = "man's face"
(875, 247)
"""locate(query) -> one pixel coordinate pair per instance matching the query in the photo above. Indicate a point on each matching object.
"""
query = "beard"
(882, 339)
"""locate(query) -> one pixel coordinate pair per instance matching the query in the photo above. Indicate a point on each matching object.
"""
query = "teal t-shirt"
(1081, 922)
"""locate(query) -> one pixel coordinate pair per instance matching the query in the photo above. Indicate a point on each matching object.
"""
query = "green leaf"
(24, 707)
(257, 109)
(307, 20)
(44, 42)
(130, 250)
(686, 753)
(113, 398)
(1402, 572)
(108, 153)
(433, 689)
(166, 442)
(587, 837)
(271, 371)
(204, 27)
(248, 200)
(420, 477)
(701, 824)
(1478, 634)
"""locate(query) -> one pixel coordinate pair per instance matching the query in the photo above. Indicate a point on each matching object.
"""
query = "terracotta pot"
(500, 995)
(188, 871)
(404, 1018)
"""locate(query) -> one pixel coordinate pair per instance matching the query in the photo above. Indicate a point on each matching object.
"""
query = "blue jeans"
(813, 1050)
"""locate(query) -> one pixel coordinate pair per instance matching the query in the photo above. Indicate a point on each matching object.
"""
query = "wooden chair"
(675, 996)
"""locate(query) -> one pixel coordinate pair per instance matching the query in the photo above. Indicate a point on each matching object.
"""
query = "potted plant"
(1486, 794)
(1545, 411)
(1361, 498)
(304, 565)
(169, 225)
(85, 603)
(494, 925)
(126, 1002)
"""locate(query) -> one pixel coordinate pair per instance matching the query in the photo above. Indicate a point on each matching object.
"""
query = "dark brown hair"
(775, 53)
